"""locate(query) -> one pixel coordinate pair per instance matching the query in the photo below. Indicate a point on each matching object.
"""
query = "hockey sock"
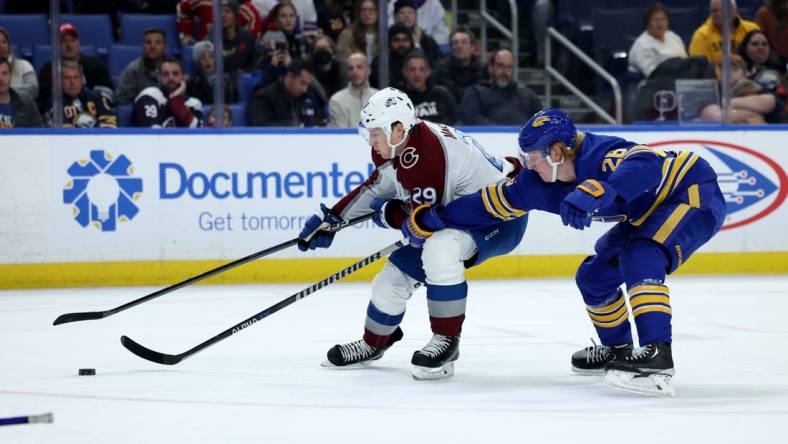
(446, 304)
(379, 326)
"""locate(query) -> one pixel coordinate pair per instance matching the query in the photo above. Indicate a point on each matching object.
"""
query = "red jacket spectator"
(248, 18)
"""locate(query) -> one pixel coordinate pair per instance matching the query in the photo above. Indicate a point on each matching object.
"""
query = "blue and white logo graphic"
(102, 190)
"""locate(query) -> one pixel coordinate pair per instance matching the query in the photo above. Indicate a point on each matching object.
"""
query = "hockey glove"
(420, 225)
(579, 205)
(383, 211)
(313, 235)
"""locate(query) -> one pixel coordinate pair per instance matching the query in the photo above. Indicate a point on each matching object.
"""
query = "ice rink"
(265, 384)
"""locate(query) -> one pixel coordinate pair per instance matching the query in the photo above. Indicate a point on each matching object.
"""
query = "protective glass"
(532, 157)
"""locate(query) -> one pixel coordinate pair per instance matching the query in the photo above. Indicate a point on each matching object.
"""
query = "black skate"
(354, 354)
(592, 360)
(646, 370)
(436, 359)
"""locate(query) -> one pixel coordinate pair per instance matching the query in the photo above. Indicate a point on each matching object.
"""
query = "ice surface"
(266, 385)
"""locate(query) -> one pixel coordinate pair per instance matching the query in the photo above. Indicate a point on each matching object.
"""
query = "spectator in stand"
(362, 36)
(275, 58)
(707, 39)
(405, 13)
(773, 20)
(500, 101)
(750, 103)
(200, 85)
(432, 19)
(23, 76)
(82, 108)
(238, 43)
(247, 17)
(462, 68)
(307, 14)
(344, 107)
(226, 123)
(288, 101)
(16, 110)
(166, 105)
(96, 73)
(656, 44)
(141, 73)
(329, 71)
(764, 66)
(400, 44)
(432, 102)
(334, 16)
(285, 20)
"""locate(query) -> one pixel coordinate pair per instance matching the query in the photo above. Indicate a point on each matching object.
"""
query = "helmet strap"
(554, 166)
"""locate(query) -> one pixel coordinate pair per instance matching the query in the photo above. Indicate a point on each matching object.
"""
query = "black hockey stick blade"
(83, 316)
(148, 354)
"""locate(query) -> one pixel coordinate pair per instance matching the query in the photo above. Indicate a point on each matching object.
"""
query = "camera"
(278, 46)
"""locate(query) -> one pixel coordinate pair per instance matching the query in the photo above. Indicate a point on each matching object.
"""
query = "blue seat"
(43, 54)
(246, 87)
(27, 30)
(124, 115)
(134, 25)
(94, 30)
(121, 55)
(186, 59)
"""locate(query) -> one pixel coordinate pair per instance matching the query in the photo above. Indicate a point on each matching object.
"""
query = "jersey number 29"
(424, 195)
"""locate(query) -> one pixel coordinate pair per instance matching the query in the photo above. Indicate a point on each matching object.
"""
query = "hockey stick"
(163, 358)
(31, 419)
(90, 315)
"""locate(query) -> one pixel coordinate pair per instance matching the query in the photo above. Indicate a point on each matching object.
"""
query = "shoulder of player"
(151, 93)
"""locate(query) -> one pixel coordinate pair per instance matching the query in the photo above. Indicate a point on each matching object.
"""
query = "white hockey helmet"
(385, 108)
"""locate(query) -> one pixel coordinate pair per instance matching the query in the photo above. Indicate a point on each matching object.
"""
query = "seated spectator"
(334, 16)
(656, 44)
(166, 105)
(432, 18)
(362, 36)
(141, 73)
(432, 102)
(763, 65)
(773, 20)
(288, 101)
(750, 103)
(344, 107)
(238, 43)
(500, 101)
(16, 110)
(247, 17)
(405, 13)
(707, 39)
(400, 44)
(23, 76)
(285, 21)
(95, 71)
(200, 85)
(329, 71)
(306, 10)
(462, 68)
(226, 123)
(82, 108)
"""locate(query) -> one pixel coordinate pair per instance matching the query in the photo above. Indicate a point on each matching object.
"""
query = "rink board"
(132, 207)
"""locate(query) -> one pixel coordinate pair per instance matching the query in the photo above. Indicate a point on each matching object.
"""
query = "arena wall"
(134, 207)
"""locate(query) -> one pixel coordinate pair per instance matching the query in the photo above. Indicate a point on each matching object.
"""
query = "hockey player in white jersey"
(418, 163)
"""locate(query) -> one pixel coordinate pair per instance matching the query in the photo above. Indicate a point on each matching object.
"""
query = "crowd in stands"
(315, 62)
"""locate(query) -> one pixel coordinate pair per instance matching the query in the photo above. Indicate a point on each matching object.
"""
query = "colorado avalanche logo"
(391, 101)
(408, 158)
(101, 190)
(753, 185)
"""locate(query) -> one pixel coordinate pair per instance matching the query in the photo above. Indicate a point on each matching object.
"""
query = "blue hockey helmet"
(545, 128)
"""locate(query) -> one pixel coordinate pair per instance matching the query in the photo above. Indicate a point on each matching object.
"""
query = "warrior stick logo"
(102, 191)
(753, 184)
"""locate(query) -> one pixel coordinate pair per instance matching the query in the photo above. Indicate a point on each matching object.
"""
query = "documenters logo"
(753, 184)
(101, 190)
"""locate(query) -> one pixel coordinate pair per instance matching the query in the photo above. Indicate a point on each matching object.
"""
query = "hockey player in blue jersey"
(669, 204)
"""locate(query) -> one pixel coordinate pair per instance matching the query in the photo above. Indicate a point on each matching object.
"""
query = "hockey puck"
(87, 371)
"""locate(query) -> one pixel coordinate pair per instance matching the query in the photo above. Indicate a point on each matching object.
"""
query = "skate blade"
(431, 374)
(589, 372)
(653, 385)
(328, 364)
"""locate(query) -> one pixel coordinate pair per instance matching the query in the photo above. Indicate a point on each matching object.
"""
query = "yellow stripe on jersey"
(643, 149)
(486, 200)
(694, 196)
(670, 169)
(505, 203)
(687, 166)
(677, 215)
(650, 299)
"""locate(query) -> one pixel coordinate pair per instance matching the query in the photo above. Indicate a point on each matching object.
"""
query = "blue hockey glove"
(579, 205)
(422, 222)
(383, 209)
(312, 235)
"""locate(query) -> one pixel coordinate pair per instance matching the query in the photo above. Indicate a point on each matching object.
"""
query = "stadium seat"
(186, 59)
(134, 25)
(94, 30)
(246, 87)
(615, 29)
(43, 54)
(684, 22)
(124, 115)
(121, 55)
(27, 31)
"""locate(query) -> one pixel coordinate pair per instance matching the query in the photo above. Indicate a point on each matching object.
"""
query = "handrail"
(512, 34)
(552, 33)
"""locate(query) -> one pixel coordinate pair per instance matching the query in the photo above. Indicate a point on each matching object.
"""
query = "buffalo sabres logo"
(539, 121)
(408, 158)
